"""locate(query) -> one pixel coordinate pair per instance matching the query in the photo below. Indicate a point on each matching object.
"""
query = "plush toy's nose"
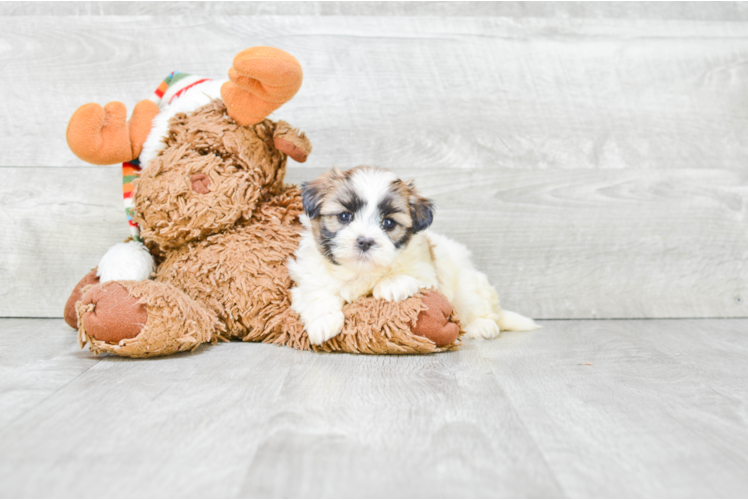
(200, 183)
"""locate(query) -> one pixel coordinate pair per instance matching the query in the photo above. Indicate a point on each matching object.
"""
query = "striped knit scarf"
(171, 88)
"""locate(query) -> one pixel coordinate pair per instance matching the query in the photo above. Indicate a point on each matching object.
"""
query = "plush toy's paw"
(262, 79)
(433, 323)
(482, 328)
(71, 316)
(141, 319)
(397, 288)
(112, 314)
(324, 327)
(292, 142)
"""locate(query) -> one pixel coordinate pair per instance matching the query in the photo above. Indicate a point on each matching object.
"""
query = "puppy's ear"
(311, 196)
(421, 210)
(313, 192)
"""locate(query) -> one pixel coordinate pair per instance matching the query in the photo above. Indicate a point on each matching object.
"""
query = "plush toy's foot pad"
(71, 317)
(435, 323)
(114, 315)
(140, 319)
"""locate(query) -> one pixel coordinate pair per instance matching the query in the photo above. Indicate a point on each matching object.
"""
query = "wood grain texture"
(58, 223)
(697, 11)
(37, 358)
(576, 409)
(459, 92)
(645, 397)
(257, 420)
(720, 358)
(556, 244)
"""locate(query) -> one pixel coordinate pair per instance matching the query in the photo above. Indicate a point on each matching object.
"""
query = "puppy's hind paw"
(482, 328)
(324, 327)
(396, 288)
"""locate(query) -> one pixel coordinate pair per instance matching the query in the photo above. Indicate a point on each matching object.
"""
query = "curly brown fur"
(236, 160)
(241, 273)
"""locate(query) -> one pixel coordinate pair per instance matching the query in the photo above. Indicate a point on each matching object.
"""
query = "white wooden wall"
(593, 156)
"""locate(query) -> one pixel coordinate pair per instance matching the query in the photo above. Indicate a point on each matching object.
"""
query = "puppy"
(365, 234)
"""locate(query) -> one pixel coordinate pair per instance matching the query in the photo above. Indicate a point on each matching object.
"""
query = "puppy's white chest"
(358, 287)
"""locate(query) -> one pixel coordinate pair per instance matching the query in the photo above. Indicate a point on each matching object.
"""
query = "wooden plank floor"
(633, 408)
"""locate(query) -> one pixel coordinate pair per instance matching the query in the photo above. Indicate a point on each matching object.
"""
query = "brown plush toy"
(214, 225)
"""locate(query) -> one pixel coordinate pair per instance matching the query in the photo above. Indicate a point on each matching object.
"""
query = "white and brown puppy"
(365, 235)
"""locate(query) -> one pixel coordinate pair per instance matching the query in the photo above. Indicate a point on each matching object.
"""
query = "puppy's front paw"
(325, 326)
(482, 328)
(397, 288)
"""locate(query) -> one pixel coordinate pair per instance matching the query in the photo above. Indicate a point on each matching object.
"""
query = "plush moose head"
(212, 173)
(204, 170)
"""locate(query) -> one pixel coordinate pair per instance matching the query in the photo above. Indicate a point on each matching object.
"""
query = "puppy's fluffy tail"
(512, 322)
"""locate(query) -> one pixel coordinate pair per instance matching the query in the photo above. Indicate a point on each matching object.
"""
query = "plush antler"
(262, 79)
(102, 136)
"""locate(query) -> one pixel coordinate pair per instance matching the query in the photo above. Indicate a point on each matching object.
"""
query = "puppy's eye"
(388, 224)
(345, 217)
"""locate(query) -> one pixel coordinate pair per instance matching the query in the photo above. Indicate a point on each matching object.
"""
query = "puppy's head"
(363, 217)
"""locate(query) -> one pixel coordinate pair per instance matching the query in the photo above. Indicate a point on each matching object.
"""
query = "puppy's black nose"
(364, 243)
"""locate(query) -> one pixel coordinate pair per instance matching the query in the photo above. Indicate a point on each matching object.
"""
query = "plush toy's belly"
(241, 274)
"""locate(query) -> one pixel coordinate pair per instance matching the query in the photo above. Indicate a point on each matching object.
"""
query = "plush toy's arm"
(102, 136)
(292, 142)
(421, 324)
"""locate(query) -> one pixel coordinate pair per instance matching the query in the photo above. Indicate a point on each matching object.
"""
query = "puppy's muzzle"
(364, 244)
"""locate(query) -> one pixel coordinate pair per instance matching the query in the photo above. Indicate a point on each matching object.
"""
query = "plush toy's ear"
(262, 80)
(421, 210)
(102, 136)
(292, 142)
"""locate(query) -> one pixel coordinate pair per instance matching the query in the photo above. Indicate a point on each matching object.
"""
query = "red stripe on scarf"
(187, 87)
